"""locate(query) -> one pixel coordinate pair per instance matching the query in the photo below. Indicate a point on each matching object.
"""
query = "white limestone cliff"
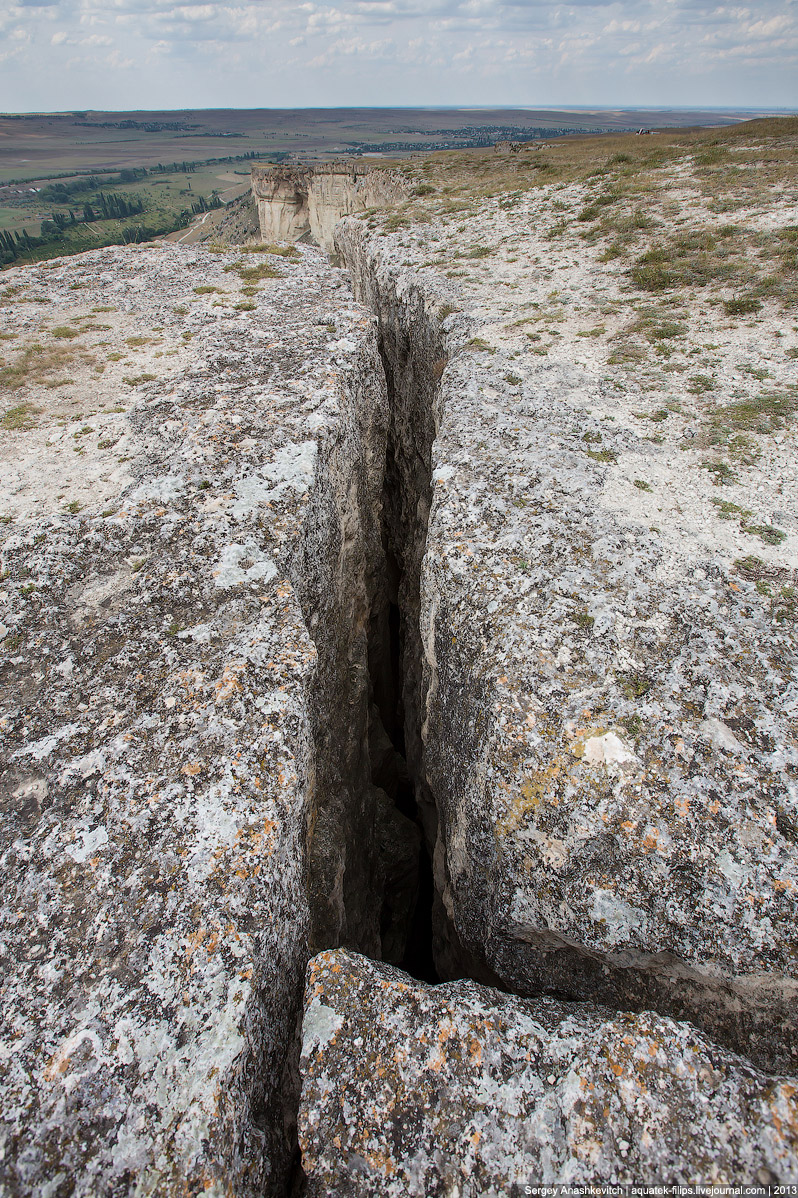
(296, 203)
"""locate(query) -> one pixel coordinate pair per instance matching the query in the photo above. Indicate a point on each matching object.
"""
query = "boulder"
(410, 1089)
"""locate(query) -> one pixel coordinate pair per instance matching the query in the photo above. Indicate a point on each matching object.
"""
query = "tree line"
(55, 234)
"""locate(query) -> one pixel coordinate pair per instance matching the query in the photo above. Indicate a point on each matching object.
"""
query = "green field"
(102, 209)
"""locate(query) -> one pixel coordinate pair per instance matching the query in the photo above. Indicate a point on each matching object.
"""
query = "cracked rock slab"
(157, 719)
(607, 714)
(410, 1089)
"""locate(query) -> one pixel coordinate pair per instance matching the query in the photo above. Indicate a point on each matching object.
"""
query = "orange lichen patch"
(320, 963)
(475, 1055)
(580, 735)
(59, 1062)
(445, 1033)
(787, 1096)
(194, 942)
(57, 1065)
(190, 680)
(252, 842)
(682, 805)
(229, 684)
(650, 841)
(381, 1162)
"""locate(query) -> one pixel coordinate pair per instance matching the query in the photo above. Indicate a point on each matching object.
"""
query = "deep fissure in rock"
(371, 863)
(406, 915)
(414, 930)
(404, 847)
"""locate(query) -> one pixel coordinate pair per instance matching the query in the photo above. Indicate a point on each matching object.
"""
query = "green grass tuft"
(19, 418)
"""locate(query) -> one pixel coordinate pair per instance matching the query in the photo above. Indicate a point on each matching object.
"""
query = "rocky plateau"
(399, 708)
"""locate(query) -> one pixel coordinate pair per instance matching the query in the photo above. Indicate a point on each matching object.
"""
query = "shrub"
(282, 251)
(763, 413)
(742, 306)
(138, 379)
(654, 277)
(254, 274)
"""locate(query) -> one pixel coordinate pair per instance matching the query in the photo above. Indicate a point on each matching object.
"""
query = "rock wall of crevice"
(335, 572)
(356, 576)
(414, 355)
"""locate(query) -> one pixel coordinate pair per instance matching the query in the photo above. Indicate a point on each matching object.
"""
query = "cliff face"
(305, 203)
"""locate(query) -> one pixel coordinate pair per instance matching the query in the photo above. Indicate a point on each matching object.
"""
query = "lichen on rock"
(165, 682)
(603, 720)
(336, 615)
(413, 1090)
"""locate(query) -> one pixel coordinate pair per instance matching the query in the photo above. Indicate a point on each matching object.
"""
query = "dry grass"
(38, 363)
(253, 274)
(764, 413)
(137, 379)
(19, 418)
(282, 251)
(754, 265)
(744, 166)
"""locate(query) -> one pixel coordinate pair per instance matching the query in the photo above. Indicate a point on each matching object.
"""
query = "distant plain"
(176, 163)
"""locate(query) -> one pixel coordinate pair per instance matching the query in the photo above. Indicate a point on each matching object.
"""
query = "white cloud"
(251, 52)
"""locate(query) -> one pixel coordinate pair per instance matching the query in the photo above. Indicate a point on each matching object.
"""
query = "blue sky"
(273, 53)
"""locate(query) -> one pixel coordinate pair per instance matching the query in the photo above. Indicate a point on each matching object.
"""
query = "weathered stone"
(306, 202)
(409, 1089)
(184, 702)
(607, 715)
(299, 591)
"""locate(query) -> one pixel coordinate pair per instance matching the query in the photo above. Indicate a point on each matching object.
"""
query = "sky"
(130, 54)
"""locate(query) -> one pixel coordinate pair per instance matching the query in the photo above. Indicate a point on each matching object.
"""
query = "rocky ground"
(534, 563)
(158, 735)
(608, 615)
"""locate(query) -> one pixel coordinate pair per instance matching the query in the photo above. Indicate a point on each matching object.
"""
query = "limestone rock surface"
(306, 202)
(607, 713)
(169, 665)
(458, 1089)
